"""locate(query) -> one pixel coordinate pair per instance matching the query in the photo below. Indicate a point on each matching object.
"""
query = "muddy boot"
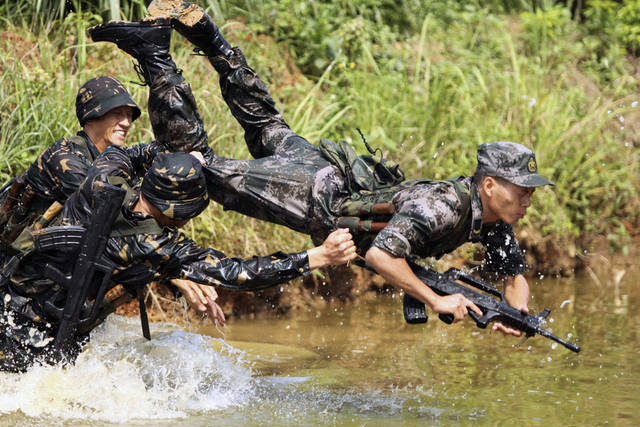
(194, 24)
(147, 41)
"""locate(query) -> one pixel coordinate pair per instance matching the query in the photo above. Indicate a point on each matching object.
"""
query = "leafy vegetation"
(426, 81)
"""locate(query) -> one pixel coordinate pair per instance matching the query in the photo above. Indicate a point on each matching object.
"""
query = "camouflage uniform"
(291, 183)
(62, 167)
(55, 176)
(141, 250)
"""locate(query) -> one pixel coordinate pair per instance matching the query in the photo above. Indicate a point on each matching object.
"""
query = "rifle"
(89, 268)
(493, 305)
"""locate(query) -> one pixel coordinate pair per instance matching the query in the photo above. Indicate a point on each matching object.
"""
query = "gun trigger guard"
(446, 318)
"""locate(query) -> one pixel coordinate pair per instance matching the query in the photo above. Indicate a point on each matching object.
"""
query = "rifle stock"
(491, 302)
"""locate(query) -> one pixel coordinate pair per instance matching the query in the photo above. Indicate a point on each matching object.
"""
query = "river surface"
(357, 366)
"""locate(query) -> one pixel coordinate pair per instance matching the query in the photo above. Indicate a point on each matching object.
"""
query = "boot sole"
(187, 13)
(94, 32)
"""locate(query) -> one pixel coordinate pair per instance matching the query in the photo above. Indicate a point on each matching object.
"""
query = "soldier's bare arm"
(397, 272)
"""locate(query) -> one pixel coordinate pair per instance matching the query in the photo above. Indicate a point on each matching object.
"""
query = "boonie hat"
(100, 95)
(175, 184)
(513, 162)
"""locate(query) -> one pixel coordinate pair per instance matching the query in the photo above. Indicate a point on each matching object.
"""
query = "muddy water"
(354, 367)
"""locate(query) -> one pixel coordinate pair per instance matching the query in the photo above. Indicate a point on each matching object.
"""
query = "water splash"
(121, 377)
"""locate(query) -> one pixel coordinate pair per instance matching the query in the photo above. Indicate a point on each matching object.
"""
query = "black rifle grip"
(414, 310)
(446, 318)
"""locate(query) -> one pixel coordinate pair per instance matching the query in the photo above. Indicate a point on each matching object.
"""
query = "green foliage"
(545, 27)
(425, 81)
(613, 25)
(629, 19)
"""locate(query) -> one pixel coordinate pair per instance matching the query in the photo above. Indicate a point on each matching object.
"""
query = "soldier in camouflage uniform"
(291, 183)
(105, 111)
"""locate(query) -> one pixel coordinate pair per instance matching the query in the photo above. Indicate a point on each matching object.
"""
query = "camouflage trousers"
(174, 114)
(278, 185)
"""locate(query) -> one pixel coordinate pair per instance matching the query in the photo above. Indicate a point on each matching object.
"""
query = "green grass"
(427, 93)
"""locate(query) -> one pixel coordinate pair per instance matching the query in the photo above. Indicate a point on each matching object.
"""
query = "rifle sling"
(144, 320)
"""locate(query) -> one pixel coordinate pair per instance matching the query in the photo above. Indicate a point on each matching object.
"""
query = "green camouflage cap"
(513, 162)
(175, 184)
(100, 95)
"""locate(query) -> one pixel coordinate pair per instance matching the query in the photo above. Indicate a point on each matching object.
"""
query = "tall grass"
(428, 95)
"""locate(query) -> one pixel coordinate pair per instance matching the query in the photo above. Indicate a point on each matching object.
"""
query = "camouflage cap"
(511, 161)
(100, 95)
(175, 184)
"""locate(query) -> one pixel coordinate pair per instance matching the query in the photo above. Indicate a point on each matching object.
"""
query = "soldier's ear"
(488, 185)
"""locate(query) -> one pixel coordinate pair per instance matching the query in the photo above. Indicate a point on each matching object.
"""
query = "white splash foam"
(120, 377)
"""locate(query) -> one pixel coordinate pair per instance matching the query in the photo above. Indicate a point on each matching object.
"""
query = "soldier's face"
(505, 201)
(114, 126)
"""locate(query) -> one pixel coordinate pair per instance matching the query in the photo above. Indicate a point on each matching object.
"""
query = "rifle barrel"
(571, 346)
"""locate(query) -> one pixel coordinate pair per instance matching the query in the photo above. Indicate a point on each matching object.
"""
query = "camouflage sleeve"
(502, 251)
(396, 238)
(212, 267)
(114, 161)
(141, 155)
(59, 171)
(426, 217)
(143, 258)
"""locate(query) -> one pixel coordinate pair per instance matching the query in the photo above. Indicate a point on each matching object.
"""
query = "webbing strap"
(121, 226)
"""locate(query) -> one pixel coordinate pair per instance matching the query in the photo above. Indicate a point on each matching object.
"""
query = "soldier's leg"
(277, 188)
(173, 111)
(266, 131)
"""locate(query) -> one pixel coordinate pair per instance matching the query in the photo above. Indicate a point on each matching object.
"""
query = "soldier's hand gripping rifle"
(88, 269)
(491, 301)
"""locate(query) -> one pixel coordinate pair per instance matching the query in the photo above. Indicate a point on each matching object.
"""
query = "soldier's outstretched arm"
(212, 267)
(397, 272)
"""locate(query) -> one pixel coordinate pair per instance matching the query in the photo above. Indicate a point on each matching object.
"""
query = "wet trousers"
(277, 186)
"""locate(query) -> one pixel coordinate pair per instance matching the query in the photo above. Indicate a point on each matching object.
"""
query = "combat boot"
(194, 24)
(147, 41)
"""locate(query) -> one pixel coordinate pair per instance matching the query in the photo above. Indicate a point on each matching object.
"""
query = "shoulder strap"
(122, 227)
(465, 198)
(82, 144)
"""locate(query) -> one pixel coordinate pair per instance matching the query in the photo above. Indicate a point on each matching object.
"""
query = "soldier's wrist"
(317, 257)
